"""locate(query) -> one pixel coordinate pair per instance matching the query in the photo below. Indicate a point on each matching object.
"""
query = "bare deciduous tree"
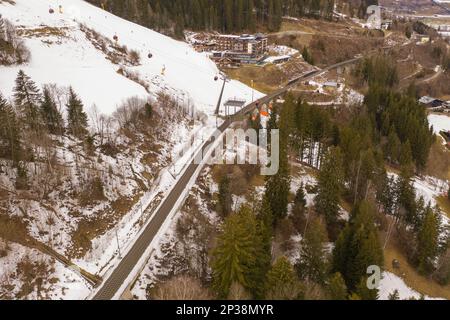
(180, 287)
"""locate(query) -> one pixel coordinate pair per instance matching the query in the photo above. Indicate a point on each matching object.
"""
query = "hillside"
(118, 180)
(66, 201)
(62, 52)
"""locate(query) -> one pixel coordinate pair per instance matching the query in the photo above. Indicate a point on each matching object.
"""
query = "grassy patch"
(444, 204)
(89, 229)
(257, 181)
(43, 32)
(438, 164)
(299, 169)
(14, 229)
(347, 206)
(295, 26)
(392, 169)
(410, 276)
(266, 79)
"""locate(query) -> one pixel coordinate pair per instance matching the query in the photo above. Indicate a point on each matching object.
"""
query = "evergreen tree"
(313, 261)
(408, 32)
(3, 102)
(405, 156)
(336, 135)
(236, 256)
(27, 100)
(442, 273)
(393, 146)
(77, 121)
(273, 120)
(282, 282)
(278, 186)
(399, 112)
(251, 17)
(22, 177)
(286, 123)
(265, 231)
(224, 197)
(300, 198)
(226, 16)
(356, 249)
(428, 240)
(276, 16)
(148, 110)
(330, 186)
(406, 198)
(380, 72)
(10, 144)
(364, 293)
(307, 56)
(51, 115)
(179, 28)
(2, 28)
(394, 295)
(298, 216)
(336, 288)
(387, 194)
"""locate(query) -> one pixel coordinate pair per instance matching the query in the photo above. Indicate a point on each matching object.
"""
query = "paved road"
(442, 6)
(112, 284)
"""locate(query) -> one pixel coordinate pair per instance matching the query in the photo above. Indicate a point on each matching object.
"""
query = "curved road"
(110, 287)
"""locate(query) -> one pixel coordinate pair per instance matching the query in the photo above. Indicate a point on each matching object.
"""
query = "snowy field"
(439, 122)
(391, 282)
(71, 59)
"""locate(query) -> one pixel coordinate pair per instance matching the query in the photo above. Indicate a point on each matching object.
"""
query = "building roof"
(234, 103)
(432, 102)
(227, 36)
(426, 100)
(277, 58)
(247, 37)
(330, 84)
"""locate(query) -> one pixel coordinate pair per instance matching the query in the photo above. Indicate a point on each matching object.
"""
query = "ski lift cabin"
(264, 111)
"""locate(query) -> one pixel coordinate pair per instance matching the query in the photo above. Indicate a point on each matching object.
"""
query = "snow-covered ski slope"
(71, 59)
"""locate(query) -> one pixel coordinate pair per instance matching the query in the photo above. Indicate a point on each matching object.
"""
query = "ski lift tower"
(225, 80)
